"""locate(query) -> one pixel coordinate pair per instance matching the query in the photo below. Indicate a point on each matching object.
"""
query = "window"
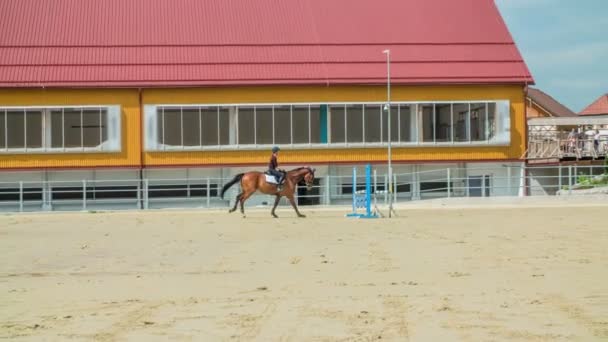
(60, 129)
(301, 127)
(255, 126)
(282, 124)
(373, 123)
(461, 121)
(209, 118)
(191, 127)
(479, 119)
(428, 122)
(337, 124)
(354, 124)
(407, 123)
(263, 123)
(443, 122)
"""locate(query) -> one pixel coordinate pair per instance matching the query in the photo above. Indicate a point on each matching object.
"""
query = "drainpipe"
(141, 151)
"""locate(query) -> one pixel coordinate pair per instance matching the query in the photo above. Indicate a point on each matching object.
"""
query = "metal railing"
(507, 180)
(560, 145)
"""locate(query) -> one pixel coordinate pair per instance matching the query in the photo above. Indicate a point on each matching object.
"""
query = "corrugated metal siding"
(336, 94)
(130, 155)
(229, 42)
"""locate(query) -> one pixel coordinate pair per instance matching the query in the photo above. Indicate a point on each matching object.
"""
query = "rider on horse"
(273, 167)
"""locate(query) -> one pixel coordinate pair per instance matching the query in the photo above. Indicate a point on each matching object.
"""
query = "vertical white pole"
(208, 192)
(449, 183)
(388, 95)
(84, 194)
(327, 190)
(569, 179)
(559, 177)
(146, 204)
(138, 195)
(21, 196)
(509, 180)
(394, 192)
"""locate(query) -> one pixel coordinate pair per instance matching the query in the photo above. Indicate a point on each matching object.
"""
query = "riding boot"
(280, 184)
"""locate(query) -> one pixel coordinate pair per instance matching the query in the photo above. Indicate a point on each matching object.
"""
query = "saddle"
(271, 179)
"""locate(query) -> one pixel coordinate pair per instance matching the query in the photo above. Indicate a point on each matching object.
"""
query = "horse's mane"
(302, 168)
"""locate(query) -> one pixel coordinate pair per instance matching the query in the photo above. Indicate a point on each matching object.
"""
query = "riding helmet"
(275, 149)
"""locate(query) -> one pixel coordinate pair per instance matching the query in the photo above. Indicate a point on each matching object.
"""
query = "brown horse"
(254, 181)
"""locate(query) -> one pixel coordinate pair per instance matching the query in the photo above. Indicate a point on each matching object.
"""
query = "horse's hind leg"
(236, 202)
(244, 197)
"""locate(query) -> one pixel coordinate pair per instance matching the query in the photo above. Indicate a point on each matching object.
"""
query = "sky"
(564, 44)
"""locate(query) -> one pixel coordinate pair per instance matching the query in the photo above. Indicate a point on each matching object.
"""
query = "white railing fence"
(82, 194)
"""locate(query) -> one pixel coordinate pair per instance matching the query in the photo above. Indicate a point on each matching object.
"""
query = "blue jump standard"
(363, 200)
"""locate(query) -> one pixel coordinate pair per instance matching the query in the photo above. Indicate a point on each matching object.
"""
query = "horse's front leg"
(276, 202)
(293, 204)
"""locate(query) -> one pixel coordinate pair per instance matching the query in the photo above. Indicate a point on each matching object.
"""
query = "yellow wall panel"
(128, 99)
(514, 93)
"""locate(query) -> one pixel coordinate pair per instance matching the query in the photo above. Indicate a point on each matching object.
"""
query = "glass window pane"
(300, 124)
(372, 123)
(15, 126)
(428, 122)
(461, 121)
(443, 122)
(264, 125)
(192, 127)
(491, 131)
(172, 126)
(246, 126)
(209, 123)
(91, 127)
(478, 121)
(282, 125)
(72, 127)
(354, 123)
(394, 124)
(56, 128)
(224, 126)
(337, 124)
(2, 130)
(34, 128)
(407, 122)
(104, 125)
(315, 124)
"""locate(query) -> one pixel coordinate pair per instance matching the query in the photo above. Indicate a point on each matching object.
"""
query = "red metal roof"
(598, 107)
(237, 42)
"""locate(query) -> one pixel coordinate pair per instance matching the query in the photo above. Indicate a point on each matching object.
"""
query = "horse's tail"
(234, 180)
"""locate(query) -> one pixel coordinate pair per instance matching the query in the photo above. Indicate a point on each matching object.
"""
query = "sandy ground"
(492, 274)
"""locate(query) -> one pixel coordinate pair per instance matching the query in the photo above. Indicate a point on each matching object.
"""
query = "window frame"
(417, 140)
(113, 130)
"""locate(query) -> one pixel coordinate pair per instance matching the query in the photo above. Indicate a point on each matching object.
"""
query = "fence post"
(394, 189)
(145, 190)
(509, 192)
(20, 196)
(84, 194)
(559, 180)
(327, 190)
(138, 203)
(208, 192)
(354, 189)
(569, 179)
(385, 189)
(449, 183)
